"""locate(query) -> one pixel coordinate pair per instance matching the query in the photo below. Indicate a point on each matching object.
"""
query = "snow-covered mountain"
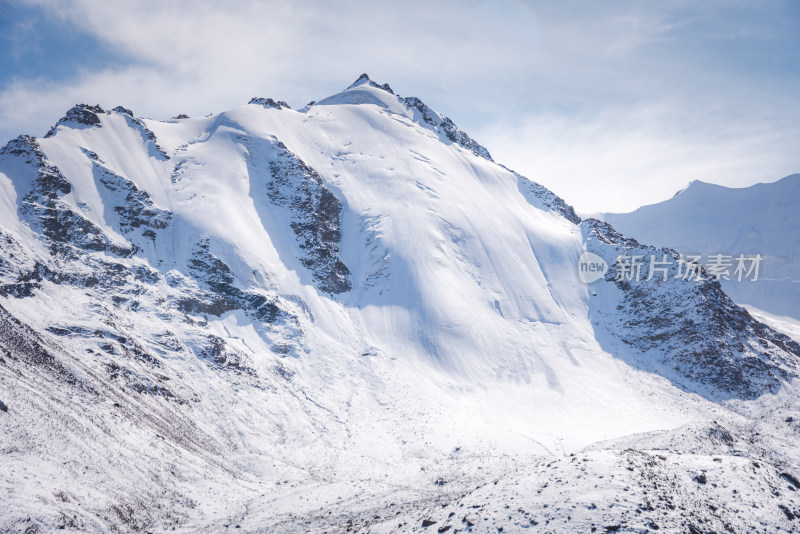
(349, 318)
(707, 219)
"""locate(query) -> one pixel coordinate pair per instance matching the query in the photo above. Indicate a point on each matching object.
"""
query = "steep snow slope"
(278, 318)
(710, 219)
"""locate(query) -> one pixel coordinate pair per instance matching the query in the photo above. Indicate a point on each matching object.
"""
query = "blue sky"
(611, 104)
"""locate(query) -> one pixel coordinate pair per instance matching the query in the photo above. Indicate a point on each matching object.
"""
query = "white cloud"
(580, 95)
(622, 157)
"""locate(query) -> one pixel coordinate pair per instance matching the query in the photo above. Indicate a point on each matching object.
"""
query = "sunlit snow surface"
(462, 379)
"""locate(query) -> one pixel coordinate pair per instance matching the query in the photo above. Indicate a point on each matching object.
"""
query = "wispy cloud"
(622, 157)
(612, 104)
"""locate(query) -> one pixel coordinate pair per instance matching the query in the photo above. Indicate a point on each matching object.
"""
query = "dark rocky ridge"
(315, 214)
(543, 198)
(447, 127)
(269, 103)
(79, 116)
(63, 228)
(134, 207)
(364, 78)
(440, 124)
(704, 341)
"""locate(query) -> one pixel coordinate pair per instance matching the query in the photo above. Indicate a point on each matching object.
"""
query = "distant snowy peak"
(688, 186)
(365, 79)
(699, 187)
(709, 219)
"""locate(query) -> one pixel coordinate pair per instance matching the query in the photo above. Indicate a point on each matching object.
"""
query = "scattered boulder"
(791, 479)
(788, 513)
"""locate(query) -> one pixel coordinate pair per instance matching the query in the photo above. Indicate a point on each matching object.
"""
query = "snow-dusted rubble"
(348, 318)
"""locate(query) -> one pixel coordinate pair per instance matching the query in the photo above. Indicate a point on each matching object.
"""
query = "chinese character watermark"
(592, 267)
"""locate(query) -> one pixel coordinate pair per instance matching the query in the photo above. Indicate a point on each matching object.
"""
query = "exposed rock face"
(43, 207)
(19, 275)
(221, 294)
(701, 339)
(134, 207)
(147, 135)
(221, 355)
(315, 213)
(80, 116)
(446, 127)
(543, 198)
(269, 103)
(364, 78)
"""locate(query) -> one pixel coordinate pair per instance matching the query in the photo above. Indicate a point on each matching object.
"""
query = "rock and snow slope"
(708, 219)
(349, 318)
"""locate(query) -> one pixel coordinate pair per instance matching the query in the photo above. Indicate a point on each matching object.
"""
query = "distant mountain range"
(708, 219)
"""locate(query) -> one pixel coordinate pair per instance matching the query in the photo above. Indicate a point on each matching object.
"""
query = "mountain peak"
(79, 116)
(694, 184)
(365, 79)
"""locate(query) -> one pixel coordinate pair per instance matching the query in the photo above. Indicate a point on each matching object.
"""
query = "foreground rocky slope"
(349, 318)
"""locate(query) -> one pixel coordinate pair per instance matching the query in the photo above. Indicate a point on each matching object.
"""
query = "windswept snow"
(349, 318)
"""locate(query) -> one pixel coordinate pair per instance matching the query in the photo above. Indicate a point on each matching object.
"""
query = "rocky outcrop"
(445, 127)
(62, 226)
(219, 293)
(544, 199)
(685, 329)
(218, 353)
(314, 213)
(156, 150)
(80, 116)
(365, 79)
(134, 207)
(269, 103)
